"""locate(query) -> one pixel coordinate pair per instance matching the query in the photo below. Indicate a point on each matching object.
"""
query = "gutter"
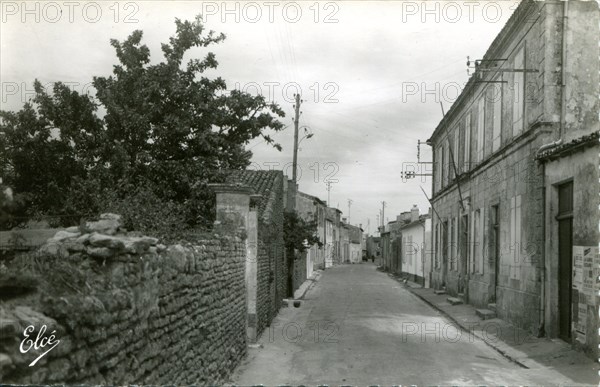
(551, 145)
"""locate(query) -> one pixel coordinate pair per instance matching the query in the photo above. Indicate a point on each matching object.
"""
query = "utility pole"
(349, 204)
(296, 121)
(382, 212)
(328, 182)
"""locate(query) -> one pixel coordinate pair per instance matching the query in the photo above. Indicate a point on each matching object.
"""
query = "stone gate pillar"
(237, 215)
(252, 269)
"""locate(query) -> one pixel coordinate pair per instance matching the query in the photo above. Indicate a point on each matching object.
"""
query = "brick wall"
(127, 311)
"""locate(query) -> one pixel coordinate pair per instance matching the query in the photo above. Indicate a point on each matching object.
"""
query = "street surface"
(358, 326)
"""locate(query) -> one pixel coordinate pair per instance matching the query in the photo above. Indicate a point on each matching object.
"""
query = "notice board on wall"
(585, 282)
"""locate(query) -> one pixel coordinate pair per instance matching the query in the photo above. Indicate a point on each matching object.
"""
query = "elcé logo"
(40, 342)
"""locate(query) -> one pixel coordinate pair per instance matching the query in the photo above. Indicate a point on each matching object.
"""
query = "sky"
(374, 76)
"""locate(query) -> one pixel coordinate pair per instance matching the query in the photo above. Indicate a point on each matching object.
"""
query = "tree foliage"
(299, 234)
(167, 131)
(45, 145)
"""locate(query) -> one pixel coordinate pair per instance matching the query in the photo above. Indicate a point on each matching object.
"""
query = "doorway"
(565, 258)
(495, 251)
(445, 252)
(464, 252)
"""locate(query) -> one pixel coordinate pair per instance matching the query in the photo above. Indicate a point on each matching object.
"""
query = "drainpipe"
(563, 94)
(563, 107)
(423, 252)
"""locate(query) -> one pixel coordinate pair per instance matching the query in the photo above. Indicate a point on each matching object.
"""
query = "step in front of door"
(485, 314)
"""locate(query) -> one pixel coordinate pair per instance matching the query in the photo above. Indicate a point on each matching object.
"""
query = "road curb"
(462, 326)
(311, 281)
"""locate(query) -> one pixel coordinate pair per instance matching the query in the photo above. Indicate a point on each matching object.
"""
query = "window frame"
(481, 127)
(497, 102)
(518, 109)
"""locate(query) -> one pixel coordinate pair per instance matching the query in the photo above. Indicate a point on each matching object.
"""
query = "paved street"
(358, 326)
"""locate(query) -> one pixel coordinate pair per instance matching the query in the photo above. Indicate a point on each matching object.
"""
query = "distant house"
(332, 237)
(311, 208)
(351, 242)
(373, 247)
(415, 252)
(385, 246)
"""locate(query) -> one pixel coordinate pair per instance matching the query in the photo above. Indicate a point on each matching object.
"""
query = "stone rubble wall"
(127, 310)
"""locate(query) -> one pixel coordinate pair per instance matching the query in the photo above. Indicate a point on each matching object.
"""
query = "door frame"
(564, 216)
(494, 248)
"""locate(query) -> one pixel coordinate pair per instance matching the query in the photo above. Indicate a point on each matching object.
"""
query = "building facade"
(373, 247)
(355, 237)
(312, 209)
(415, 253)
(515, 160)
(332, 236)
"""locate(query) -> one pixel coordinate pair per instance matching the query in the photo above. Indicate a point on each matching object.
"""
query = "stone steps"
(485, 314)
(454, 300)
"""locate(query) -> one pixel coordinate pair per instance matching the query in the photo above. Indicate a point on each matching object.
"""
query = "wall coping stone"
(231, 188)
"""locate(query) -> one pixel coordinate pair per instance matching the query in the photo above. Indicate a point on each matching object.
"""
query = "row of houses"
(515, 204)
(342, 242)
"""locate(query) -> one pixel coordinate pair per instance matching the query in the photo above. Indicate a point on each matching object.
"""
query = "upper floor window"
(445, 163)
(467, 141)
(450, 165)
(496, 99)
(438, 167)
(518, 91)
(480, 127)
(456, 149)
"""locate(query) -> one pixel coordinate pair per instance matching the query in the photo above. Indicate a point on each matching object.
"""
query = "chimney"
(414, 213)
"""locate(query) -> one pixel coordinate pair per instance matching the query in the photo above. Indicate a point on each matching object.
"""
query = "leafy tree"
(50, 141)
(174, 127)
(299, 234)
(168, 128)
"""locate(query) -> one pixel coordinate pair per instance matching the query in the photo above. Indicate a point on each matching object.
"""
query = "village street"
(300, 193)
(358, 326)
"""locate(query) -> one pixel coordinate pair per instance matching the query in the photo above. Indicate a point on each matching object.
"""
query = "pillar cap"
(231, 188)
